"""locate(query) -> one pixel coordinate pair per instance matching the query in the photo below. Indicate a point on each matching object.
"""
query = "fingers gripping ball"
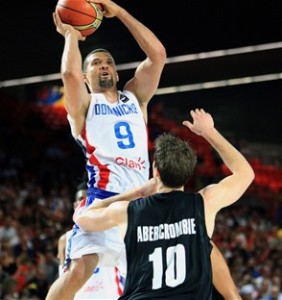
(82, 15)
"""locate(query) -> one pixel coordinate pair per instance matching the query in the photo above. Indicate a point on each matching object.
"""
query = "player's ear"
(85, 78)
(86, 81)
(117, 77)
(155, 171)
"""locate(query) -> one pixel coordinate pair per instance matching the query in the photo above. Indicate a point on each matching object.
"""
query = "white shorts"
(105, 283)
(107, 244)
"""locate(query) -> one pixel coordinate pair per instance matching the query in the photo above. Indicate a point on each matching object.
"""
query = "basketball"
(82, 15)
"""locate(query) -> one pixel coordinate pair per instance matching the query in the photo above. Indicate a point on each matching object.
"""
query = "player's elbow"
(69, 71)
(245, 177)
(252, 175)
(159, 55)
(244, 171)
(249, 174)
(162, 54)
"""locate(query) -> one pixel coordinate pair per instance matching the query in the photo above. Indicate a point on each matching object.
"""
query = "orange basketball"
(82, 15)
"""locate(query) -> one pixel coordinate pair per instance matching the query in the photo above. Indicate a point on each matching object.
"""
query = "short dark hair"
(85, 63)
(175, 160)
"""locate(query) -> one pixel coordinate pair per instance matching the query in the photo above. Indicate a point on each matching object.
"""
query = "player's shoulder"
(63, 237)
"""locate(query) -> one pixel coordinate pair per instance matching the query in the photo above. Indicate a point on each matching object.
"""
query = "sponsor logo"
(138, 164)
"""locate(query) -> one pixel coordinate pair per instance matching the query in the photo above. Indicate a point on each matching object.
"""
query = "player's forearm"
(145, 38)
(71, 60)
(233, 159)
(222, 279)
(126, 196)
(76, 95)
(147, 189)
(94, 217)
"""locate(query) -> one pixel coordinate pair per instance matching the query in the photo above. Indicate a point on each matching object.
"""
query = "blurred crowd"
(39, 171)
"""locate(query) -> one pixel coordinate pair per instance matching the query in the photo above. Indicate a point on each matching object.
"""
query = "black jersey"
(168, 249)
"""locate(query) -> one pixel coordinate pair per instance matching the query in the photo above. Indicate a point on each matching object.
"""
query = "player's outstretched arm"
(148, 73)
(230, 188)
(104, 214)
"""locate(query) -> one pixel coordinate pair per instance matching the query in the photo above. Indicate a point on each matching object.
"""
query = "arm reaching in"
(222, 194)
(230, 188)
(99, 215)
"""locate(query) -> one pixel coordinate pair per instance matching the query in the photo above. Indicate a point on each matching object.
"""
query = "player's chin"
(106, 82)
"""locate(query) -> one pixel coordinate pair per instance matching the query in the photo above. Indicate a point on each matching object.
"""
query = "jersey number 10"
(176, 266)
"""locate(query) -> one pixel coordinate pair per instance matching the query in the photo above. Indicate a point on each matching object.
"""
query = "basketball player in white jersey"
(111, 127)
(105, 282)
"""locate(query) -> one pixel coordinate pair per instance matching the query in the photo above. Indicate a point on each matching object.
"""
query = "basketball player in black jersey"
(167, 235)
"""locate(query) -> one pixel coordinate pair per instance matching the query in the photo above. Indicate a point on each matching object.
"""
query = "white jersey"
(115, 143)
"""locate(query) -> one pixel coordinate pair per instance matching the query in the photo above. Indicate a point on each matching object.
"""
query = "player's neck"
(165, 189)
(111, 96)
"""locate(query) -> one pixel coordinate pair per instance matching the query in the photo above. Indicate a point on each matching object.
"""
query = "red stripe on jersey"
(79, 208)
(119, 284)
(89, 149)
(104, 172)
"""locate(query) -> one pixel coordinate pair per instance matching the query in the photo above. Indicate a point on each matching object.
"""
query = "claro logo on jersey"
(130, 163)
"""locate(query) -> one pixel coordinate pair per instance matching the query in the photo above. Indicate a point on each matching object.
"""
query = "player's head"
(174, 160)
(100, 71)
(81, 192)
